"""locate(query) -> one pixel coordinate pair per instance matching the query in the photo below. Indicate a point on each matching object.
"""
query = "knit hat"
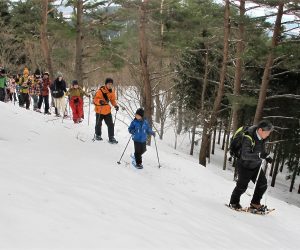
(109, 80)
(74, 82)
(25, 71)
(46, 73)
(140, 112)
(37, 72)
(265, 125)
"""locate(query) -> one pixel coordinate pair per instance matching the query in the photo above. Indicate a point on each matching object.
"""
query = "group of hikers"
(37, 89)
(251, 147)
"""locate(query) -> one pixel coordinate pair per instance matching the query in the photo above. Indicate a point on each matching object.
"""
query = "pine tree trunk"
(204, 143)
(44, 39)
(158, 107)
(162, 131)
(220, 133)
(205, 80)
(208, 149)
(224, 138)
(144, 63)
(293, 179)
(268, 66)
(193, 138)
(79, 40)
(157, 100)
(275, 170)
(282, 164)
(227, 141)
(180, 118)
(214, 141)
(217, 103)
(275, 159)
(239, 67)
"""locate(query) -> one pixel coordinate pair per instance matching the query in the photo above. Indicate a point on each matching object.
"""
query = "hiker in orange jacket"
(105, 95)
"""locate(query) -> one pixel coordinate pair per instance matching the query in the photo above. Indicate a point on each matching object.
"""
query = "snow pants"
(24, 99)
(76, 104)
(244, 177)
(139, 149)
(60, 104)
(109, 122)
(35, 101)
(46, 102)
(2, 94)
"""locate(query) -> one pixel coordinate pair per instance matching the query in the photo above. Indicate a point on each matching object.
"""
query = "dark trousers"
(24, 100)
(46, 101)
(139, 149)
(13, 96)
(35, 101)
(244, 177)
(2, 94)
(109, 122)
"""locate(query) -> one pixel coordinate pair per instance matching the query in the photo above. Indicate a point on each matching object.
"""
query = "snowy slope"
(60, 190)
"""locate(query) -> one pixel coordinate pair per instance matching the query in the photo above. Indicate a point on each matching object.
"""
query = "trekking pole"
(119, 162)
(157, 152)
(115, 118)
(260, 168)
(89, 111)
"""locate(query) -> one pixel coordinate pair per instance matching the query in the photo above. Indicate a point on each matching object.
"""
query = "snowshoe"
(133, 162)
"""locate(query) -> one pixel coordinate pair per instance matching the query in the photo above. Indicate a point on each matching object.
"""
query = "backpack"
(236, 141)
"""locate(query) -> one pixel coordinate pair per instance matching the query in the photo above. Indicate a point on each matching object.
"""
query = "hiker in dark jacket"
(44, 93)
(252, 154)
(58, 90)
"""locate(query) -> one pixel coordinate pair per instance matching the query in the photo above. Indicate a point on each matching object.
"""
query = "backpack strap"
(251, 139)
(105, 95)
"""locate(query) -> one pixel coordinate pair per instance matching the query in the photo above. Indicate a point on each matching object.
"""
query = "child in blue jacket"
(139, 128)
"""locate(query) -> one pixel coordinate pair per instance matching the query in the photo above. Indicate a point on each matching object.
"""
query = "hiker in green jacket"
(2, 85)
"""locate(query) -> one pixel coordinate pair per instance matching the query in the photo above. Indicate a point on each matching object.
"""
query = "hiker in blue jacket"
(140, 129)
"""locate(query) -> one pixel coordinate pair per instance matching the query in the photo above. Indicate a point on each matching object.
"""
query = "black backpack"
(236, 141)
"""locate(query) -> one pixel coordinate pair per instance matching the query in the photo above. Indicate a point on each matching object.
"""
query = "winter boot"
(235, 206)
(139, 166)
(112, 140)
(258, 207)
(98, 138)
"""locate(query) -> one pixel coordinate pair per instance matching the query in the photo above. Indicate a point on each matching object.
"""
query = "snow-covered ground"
(60, 190)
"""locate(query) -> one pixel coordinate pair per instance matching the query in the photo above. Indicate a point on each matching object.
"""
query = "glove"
(269, 159)
(117, 108)
(153, 134)
(263, 155)
(102, 102)
(132, 132)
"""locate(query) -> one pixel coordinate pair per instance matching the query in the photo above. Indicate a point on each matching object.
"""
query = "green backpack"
(236, 141)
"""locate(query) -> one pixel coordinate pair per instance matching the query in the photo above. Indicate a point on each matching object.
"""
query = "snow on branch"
(281, 117)
(284, 96)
